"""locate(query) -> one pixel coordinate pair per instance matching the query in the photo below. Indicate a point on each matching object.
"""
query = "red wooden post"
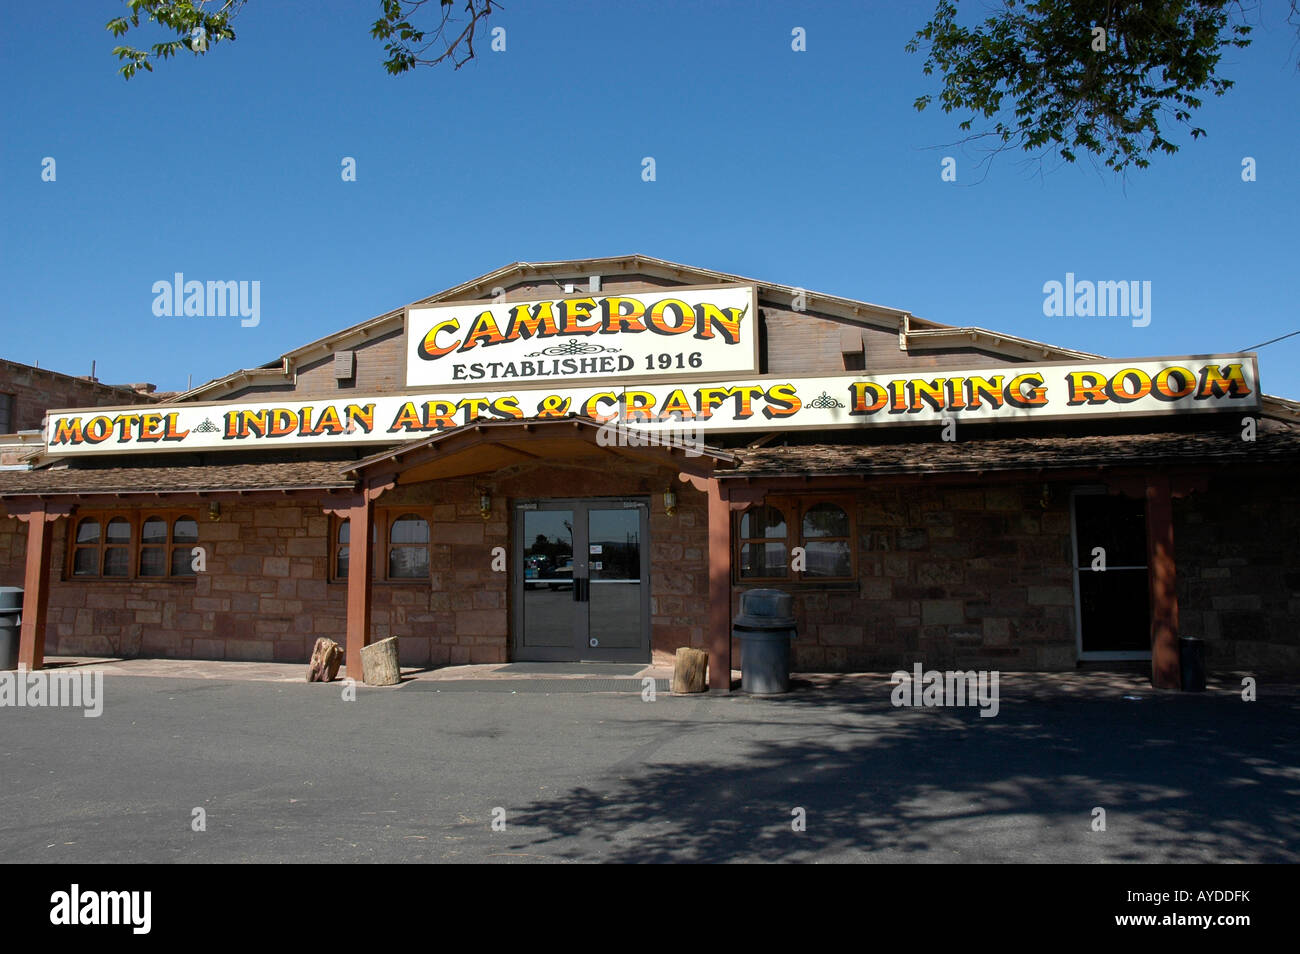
(36, 582)
(719, 589)
(1164, 584)
(360, 564)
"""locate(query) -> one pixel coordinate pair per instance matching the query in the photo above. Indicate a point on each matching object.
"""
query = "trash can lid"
(748, 621)
(773, 604)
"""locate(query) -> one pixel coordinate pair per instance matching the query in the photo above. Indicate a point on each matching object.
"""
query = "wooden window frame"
(169, 547)
(392, 515)
(793, 507)
(135, 547)
(336, 548)
(739, 542)
(381, 544)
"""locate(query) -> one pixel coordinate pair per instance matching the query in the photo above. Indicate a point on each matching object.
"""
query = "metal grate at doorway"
(569, 669)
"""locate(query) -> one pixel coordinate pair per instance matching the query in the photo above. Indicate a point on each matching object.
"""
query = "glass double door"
(581, 580)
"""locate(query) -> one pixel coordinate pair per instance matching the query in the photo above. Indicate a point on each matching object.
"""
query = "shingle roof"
(1276, 442)
(278, 475)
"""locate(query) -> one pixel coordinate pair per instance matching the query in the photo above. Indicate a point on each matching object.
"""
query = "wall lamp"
(670, 501)
(214, 511)
(485, 505)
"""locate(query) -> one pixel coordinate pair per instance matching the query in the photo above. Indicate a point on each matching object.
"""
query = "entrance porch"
(559, 540)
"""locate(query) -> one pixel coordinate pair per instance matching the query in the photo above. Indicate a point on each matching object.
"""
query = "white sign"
(1016, 392)
(675, 331)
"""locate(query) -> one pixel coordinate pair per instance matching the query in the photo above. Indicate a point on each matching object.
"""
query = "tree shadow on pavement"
(1180, 777)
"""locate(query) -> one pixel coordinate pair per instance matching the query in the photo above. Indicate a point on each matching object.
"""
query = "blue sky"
(811, 169)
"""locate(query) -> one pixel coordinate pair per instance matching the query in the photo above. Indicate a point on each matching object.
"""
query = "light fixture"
(485, 504)
(214, 511)
(670, 501)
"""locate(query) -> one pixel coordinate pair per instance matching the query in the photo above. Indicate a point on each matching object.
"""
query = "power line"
(1270, 341)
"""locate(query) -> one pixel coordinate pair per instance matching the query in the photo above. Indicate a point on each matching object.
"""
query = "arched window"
(828, 547)
(153, 547)
(85, 548)
(408, 548)
(167, 549)
(117, 547)
(185, 534)
(764, 552)
(796, 539)
(341, 538)
(133, 545)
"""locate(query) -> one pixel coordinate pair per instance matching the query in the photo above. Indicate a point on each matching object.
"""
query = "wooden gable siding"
(935, 359)
(380, 367)
(791, 343)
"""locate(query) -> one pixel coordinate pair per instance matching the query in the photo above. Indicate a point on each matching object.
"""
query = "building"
(590, 459)
(26, 392)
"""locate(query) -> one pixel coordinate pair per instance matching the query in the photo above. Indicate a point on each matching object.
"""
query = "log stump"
(689, 670)
(379, 663)
(326, 656)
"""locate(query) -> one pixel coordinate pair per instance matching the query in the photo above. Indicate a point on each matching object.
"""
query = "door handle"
(581, 590)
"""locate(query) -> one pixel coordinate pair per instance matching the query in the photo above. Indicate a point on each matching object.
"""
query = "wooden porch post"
(719, 637)
(360, 570)
(36, 582)
(1164, 584)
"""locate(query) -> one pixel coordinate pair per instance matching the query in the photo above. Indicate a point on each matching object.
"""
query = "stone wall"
(1237, 545)
(37, 390)
(968, 577)
(13, 551)
(462, 615)
(679, 574)
(263, 596)
(267, 593)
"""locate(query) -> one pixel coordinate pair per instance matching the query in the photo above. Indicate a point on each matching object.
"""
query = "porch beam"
(360, 565)
(719, 631)
(359, 511)
(1163, 578)
(40, 518)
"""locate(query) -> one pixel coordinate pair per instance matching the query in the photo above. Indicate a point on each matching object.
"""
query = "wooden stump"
(325, 658)
(689, 670)
(379, 663)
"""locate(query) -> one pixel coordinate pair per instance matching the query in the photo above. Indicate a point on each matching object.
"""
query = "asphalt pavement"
(293, 772)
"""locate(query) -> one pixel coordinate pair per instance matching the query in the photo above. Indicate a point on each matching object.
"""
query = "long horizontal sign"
(1021, 392)
(674, 331)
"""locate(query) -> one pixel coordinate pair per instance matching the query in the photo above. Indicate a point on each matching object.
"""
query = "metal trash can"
(1191, 663)
(764, 627)
(11, 606)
